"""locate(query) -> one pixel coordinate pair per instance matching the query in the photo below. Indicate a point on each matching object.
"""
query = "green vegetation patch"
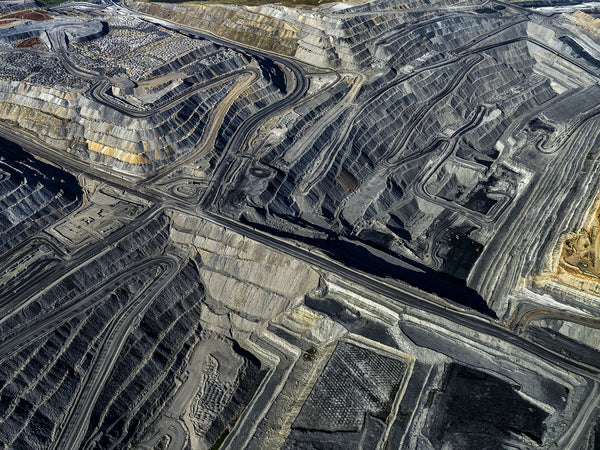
(50, 2)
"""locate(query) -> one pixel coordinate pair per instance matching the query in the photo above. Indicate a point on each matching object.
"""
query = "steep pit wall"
(247, 283)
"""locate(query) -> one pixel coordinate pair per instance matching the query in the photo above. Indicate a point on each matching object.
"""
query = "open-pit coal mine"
(365, 224)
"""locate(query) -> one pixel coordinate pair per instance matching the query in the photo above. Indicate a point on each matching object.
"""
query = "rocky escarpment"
(141, 313)
(362, 167)
(273, 312)
(587, 22)
(242, 278)
(219, 335)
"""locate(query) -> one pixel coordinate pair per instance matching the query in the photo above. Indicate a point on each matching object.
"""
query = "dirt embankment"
(29, 42)
(579, 260)
(36, 15)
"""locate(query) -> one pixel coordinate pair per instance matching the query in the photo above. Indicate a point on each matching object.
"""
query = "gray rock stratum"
(357, 225)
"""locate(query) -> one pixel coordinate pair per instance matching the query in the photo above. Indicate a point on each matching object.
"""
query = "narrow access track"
(41, 326)
(98, 93)
(76, 423)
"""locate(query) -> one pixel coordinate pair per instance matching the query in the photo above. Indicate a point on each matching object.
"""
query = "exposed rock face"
(578, 265)
(439, 150)
(423, 157)
(273, 28)
(42, 379)
(264, 27)
(242, 277)
(71, 122)
(155, 354)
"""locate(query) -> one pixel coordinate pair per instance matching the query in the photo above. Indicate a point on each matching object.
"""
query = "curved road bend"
(243, 133)
(398, 294)
(402, 295)
(210, 133)
(98, 93)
